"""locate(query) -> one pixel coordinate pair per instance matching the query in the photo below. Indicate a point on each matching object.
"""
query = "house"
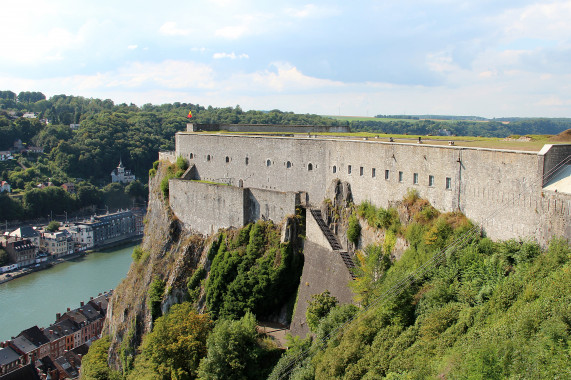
(21, 251)
(111, 228)
(9, 360)
(27, 232)
(62, 336)
(35, 149)
(74, 127)
(5, 187)
(82, 236)
(5, 155)
(69, 187)
(29, 115)
(57, 244)
(122, 175)
(32, 344)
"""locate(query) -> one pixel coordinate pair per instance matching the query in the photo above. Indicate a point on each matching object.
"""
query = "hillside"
(430, 307)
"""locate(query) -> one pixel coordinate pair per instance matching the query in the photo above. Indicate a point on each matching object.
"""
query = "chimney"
(58, 316)
(81, 304)
(51, 331)
(68, 309)
(90, 298)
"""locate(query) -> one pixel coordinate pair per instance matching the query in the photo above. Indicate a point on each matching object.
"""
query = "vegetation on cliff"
(486, 310)
(251, 271)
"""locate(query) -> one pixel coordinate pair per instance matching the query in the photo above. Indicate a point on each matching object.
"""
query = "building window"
(430, 180)
(310, 167)
(387, 172)
(349, 169)
(400, 176)
(448, 183)
(227, 159)
(415, 178)
(268, 163)
(373, 172)
(247, 160)
(361, 171)
(208, 158)
(288, 164)
(191, 156)
(334, 169)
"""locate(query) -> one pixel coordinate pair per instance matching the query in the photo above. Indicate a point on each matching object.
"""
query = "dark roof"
(103, 300)
(21, 245)
(23, 344)
(25, 232)
(81, 350)
(90, 312)
(8, 355)
(28, 372)
(62, 328)
(35, 335)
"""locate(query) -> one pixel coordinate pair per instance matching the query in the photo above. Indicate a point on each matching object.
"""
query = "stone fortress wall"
(499, 189)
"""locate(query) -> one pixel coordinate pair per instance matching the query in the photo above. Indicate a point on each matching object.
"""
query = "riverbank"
(5, 277)
(36, 298)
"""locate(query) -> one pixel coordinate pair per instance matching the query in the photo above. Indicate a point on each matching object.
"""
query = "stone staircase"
(332, 239)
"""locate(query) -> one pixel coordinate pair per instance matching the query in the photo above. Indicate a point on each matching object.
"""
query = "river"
(35, 299)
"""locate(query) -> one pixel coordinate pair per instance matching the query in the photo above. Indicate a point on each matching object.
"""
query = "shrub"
(155, 297)
(354, 230)
(152, 172)
(181, 163)
(319, 306)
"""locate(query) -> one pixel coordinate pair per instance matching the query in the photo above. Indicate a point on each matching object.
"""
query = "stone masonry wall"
(266, 128)
(205, 207)
(498, 188)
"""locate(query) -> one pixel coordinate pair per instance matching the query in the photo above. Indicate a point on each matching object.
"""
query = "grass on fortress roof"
(532, 143)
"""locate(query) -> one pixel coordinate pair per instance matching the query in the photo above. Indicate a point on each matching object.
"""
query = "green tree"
(94, 364)
(155, 297)
(235, 351)
(318, 308)
(4, 258)
(354, 230)
(175, 346)
(53, 226)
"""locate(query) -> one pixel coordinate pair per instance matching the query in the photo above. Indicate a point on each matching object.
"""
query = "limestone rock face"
(171, 253)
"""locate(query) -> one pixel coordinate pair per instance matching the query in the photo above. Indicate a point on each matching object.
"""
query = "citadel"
(258, 173)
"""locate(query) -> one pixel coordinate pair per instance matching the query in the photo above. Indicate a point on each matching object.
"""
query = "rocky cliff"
(170, 253)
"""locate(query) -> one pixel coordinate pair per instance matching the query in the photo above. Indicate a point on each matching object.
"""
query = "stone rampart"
(267, 128)
(205, 207)
(499, 189)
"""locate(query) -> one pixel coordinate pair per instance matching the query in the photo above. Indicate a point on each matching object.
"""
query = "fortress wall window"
(348, 169)
(373, 172)
(415, 178)
(400, 176)
(227, 159)
(334, 169)
(431, 180)
(387, 173)
(247, 160)
(448, 183)
(208, 158)
(310, 166)
(191, 156)
(268, 163)
(288, 164)
(361, 171)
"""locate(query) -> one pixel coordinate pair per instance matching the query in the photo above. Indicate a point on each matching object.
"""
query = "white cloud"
(313, 11)
(132, 47)
(170, 28)
(230, 56)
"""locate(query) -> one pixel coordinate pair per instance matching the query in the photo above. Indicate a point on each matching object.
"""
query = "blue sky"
(485, 58)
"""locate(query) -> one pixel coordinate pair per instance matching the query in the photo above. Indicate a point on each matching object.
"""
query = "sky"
(357, 58)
